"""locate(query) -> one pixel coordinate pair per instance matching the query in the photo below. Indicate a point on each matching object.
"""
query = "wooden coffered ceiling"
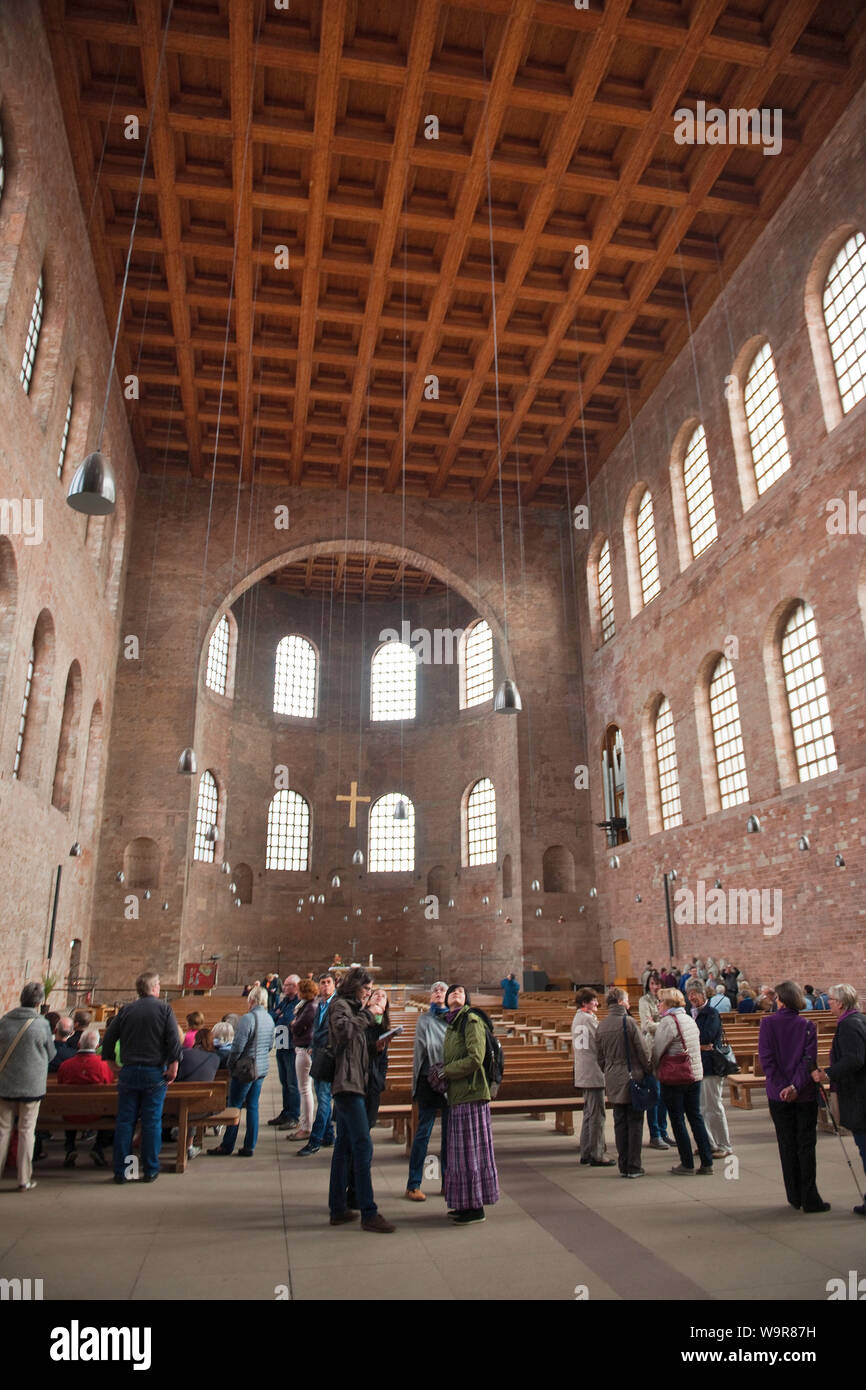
(404, 257)
(371, 577)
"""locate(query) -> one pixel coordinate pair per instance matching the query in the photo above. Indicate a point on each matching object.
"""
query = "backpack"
(494, 1057)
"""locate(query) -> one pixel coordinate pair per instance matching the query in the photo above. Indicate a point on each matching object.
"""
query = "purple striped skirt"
(471, 1180)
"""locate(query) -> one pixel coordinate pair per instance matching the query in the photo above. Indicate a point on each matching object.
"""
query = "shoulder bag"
(723, 1055)
(14, 1043)
(245, 1069)
(676, 1070)
(640, 1094)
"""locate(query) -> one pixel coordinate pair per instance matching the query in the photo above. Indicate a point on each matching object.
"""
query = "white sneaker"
(192, 1151)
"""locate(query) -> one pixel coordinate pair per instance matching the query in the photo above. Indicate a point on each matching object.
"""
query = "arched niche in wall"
(243, 879)
(8, 605)
(437, 882)
(558, 869)
(92, 761)
(67, 747)
(141, 863)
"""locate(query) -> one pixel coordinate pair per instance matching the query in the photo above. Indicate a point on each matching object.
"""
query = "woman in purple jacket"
(788, 1046)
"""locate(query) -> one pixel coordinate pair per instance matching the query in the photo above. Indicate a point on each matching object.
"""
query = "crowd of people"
(672, 1063)
(726, 987)
(331, 1039)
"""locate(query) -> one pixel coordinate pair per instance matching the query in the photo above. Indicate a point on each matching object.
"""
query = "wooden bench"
(198, 1103)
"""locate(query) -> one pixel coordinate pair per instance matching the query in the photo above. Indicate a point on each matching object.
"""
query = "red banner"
(196, 976)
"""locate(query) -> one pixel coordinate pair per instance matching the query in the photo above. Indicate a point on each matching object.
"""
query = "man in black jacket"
(150, 1051)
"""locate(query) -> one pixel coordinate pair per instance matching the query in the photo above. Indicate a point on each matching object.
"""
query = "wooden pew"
(186, 1103)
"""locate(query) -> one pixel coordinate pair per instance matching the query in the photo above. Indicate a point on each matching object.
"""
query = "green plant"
(48, 984)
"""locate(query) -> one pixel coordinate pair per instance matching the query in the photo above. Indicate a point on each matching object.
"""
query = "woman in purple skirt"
(471, 1182)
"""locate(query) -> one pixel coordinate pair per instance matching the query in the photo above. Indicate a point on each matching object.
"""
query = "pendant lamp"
(187, 764)
(358, 857)
(400, 811)
(507, 698)
(93, 490)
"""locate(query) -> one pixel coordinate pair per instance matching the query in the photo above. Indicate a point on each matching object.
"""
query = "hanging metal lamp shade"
(507, 698)
(92, 490)
(186, 763)
(225, 867)
(335, 881)
(400, 811)
(358, 857)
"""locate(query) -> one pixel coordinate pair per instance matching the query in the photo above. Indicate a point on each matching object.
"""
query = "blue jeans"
(353, 1148)
(288, 1081)
(682, 1102)
(426, 1120)
(323, 1126)
(245, 1096)
(141, 1094)
(657, 1114)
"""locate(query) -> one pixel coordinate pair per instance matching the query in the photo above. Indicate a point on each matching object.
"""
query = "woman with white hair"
(847, 1070)
(254, 1038)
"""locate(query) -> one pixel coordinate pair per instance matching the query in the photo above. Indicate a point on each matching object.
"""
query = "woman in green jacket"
(471, 1181)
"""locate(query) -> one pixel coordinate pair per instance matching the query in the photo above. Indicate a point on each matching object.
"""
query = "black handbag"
(641, 1095)
(723, 1055)
(244, 1069)
(324, 1064)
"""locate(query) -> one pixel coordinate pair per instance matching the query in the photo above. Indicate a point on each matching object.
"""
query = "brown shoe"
(378, 1223)
(414, 1194)
(341, 1218)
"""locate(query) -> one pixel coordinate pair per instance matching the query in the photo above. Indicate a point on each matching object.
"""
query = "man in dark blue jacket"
(322, 1133)
(283, 1014)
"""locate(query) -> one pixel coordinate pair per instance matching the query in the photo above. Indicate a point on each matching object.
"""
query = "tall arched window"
(25, 710)
(34, 328)
(762, 403)
(647, 553)
(216, 676)
(36, 702)
(64, 438)
(698, 486)
(666, 763)
(614, 785)
(479, 838)
(392, 682)
(295, 678)
(288, 832)
(206, 816)
(727, 735)
(806, 689)
(607, 619)
(391, 847)
(476, 665)
(844, 305)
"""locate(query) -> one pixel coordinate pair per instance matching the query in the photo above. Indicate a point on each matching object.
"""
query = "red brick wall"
(41, 225)
(778, 550)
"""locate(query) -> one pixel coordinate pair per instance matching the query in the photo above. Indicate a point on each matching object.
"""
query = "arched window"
(844, 305)
(666, 762)
(762, 403)
(476, 665)
(806, 690)
(25, 710)
(34, 328)
(614, 785)
(288, 832)
(206, 816)
(727, 735)
(64, 438)
(607, 618)
(36, 702)
(141, 863)
(295, 678)
(647, 554)
(698, 486)
(218, 657)
(392, 682)
(391, 846)
(480, 824)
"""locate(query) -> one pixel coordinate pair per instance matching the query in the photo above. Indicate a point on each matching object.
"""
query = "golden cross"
(353, 798)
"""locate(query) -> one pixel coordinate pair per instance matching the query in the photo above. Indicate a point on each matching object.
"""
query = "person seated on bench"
(222, 1037)
(201, 1061)
(64, 1047)
(85, 1068)
(746, 1003)
(194, 1021)
(81, 1019)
